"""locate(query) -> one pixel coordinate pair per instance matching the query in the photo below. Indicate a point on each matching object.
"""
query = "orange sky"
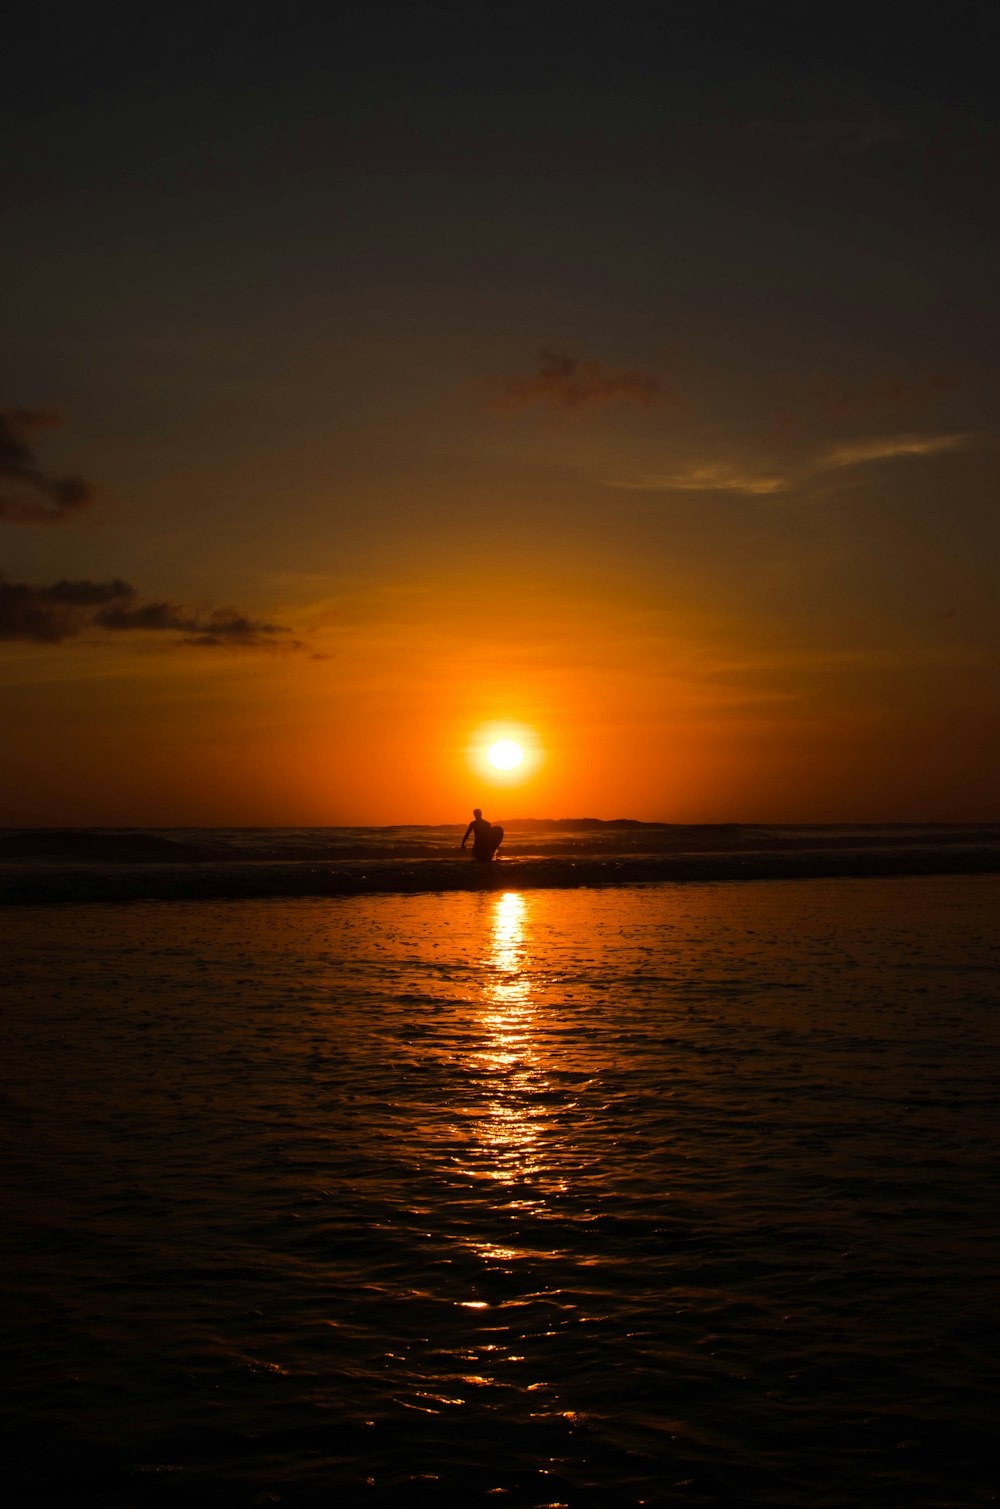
(628, 706)
(633, 398)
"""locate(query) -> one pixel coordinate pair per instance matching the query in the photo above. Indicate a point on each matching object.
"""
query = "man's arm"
(468, 830)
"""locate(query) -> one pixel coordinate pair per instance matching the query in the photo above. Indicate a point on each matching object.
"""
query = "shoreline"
(40, 883)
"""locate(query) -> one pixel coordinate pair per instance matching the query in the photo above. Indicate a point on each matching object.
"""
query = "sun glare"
(505, 754)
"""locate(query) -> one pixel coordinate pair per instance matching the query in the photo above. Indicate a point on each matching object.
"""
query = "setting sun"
(505, 754)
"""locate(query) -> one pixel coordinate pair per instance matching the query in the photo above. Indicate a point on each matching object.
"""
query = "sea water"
(650, 1194)
(51, 865)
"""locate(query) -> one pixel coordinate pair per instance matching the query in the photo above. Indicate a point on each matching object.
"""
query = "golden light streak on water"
(508, 1060)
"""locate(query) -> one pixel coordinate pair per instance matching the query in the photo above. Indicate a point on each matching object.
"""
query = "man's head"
(477, 811)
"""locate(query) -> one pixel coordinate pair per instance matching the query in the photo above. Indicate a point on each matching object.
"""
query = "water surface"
(49, 865)
(662, 1195)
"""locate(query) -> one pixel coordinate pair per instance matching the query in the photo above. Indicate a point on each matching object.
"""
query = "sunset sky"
(382, 379)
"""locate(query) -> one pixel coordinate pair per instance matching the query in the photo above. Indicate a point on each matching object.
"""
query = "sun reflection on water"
(507, 983)
(507, 1062)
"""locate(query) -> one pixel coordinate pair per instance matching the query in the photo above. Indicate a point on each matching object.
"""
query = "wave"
(525, 838)
(152, 878)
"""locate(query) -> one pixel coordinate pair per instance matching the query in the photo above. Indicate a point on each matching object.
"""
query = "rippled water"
(663, 1195)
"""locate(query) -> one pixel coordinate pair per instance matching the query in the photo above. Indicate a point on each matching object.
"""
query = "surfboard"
(487, 846)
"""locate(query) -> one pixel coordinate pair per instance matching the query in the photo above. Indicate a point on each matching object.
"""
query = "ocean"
(532, 1188)
(122, 864)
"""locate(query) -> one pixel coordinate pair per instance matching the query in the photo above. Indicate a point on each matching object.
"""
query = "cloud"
(724, 477)
(69, 609)
(565, 382)
(703, 479)
(50, 614)
(223, 626)
(29, 495)
(890, 448)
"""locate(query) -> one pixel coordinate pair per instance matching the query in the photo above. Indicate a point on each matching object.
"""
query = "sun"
(505, 754)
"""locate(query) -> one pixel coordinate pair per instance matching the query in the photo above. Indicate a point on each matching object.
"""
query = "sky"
(381, 380)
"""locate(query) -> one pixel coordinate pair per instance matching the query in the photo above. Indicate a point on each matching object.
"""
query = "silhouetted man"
(488, 836)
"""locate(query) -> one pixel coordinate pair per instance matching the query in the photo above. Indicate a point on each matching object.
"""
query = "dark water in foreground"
(662, 1195)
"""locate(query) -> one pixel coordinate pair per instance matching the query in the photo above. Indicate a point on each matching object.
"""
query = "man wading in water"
(488, 836)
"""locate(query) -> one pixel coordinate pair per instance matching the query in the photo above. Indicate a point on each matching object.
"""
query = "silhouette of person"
(487, 836)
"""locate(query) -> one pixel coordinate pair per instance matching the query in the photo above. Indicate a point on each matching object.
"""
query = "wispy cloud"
(566, 382)
(762, 482)
(891, 448)
(69, 609)
(28, 493)
(704, 479)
